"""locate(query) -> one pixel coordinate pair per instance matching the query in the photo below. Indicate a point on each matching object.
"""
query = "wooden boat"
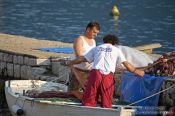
(19, 104)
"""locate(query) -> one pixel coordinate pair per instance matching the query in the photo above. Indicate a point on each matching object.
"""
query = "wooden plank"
(148, 47)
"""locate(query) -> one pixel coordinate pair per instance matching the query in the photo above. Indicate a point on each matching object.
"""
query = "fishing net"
(49, 94)
(164, 66)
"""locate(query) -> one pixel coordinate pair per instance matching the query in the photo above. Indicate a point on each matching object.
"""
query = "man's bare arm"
(78, 60)
(131, 68)
(78, 47)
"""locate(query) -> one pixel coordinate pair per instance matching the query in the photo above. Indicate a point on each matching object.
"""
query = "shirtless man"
(82, 45)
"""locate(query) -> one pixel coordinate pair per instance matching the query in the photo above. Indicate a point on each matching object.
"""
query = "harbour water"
(140, 21)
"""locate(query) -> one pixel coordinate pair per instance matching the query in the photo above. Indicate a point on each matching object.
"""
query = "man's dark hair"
(93, 24)
(112, 39)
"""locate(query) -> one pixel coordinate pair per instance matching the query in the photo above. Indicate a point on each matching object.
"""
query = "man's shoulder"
(78, 39)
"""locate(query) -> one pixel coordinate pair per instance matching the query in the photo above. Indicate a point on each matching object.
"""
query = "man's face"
(92, 32)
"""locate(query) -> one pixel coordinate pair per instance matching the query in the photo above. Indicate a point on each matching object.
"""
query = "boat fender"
(17, 110)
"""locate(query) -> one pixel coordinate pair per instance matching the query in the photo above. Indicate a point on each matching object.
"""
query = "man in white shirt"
(101, 80)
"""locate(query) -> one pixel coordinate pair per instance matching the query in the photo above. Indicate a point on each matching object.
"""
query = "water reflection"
(116, 20)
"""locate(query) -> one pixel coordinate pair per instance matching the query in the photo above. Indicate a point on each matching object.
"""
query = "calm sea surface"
(140, 22)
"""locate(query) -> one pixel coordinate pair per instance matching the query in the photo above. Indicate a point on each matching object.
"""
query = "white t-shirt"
(105, 57)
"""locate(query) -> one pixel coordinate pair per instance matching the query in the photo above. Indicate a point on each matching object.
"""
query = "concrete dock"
(19, 59)
(25, 46)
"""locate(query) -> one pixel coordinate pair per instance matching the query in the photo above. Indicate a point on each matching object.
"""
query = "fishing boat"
(20, 104)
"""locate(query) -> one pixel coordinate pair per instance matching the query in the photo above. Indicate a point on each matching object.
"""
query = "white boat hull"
(47, 108)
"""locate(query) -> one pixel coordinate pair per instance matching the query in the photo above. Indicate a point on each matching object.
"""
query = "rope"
(152, 95)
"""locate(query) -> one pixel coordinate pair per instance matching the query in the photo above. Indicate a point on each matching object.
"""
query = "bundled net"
(48, 94)
(164, 66)
(52, 90)
(54, 94)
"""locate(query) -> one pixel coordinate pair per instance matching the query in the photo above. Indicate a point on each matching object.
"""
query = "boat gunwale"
(21, 97)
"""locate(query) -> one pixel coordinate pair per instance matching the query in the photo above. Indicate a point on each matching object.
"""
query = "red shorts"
(99, 85)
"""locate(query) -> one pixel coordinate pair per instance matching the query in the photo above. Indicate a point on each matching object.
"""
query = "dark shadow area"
(4, 111)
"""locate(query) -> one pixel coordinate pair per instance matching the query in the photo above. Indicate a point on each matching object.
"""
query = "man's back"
(105, 57)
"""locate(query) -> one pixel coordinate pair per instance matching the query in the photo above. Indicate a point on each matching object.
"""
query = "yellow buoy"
(115, 11)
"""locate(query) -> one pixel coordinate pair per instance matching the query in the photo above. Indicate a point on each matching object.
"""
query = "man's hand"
(139, 72)
(142, 73)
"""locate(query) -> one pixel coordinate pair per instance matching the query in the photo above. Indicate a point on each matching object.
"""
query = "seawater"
(140, 21)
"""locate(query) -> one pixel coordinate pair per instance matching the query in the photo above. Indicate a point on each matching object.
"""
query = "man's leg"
(90, 95)
(107, 90)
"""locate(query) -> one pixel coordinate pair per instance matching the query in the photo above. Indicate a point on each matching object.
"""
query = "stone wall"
(16, 65)
(61, 71)
(19, 66)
